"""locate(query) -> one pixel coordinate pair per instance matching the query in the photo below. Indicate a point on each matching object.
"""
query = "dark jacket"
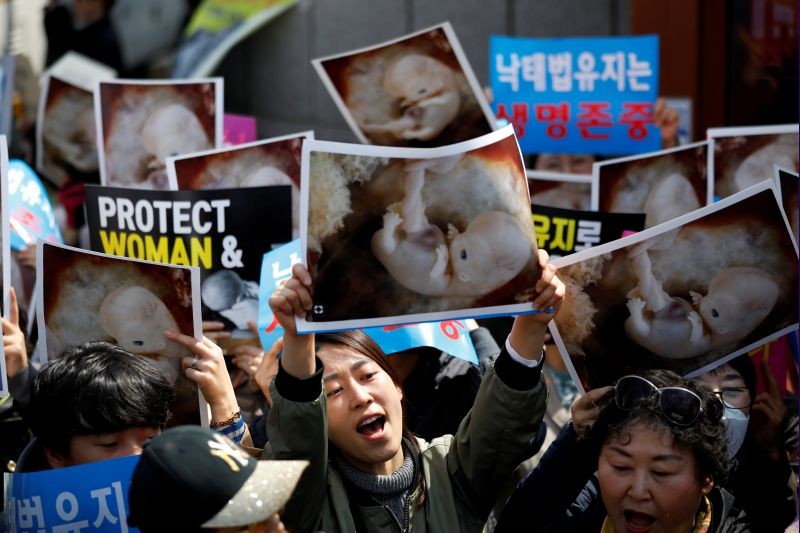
(555, 496)
(463, 473)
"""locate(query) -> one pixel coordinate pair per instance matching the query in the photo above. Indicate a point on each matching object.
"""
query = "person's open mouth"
(636, 522)
(372, 427)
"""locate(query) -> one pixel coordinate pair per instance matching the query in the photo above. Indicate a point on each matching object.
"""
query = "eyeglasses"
(678, 405)
(734, 397)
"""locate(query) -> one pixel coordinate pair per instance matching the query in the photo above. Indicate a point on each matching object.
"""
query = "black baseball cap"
(191, 477)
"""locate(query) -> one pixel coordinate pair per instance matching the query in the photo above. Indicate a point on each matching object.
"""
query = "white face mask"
(735, 429)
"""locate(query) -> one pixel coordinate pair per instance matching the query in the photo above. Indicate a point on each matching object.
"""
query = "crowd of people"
(326, 432)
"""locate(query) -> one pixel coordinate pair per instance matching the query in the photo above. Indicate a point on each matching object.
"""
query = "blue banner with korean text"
(591, 95)
(90, 497)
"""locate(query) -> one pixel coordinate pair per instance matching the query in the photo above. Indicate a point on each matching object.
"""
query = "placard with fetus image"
(140, 123)
(400, 235)
(562, 190)
(663, 185)
(87, 296)
(262, 163)
(417, 90)
(686, 295)
(744, 156)
(65, 139)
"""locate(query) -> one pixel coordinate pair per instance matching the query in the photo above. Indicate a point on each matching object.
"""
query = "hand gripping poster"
(88, 296)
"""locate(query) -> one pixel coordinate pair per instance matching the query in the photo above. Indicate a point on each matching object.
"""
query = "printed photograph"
(87, 296)
(686, 296)
(263, 163)
(663, 185)
(66, 143)
(418, 90)
(745, 156)
(140, 124)
(561, 190)
(414, 235)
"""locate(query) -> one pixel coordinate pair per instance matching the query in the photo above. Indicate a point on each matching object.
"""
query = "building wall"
(270, 76)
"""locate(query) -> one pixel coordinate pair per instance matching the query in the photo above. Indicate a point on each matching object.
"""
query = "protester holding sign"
(658, 445)
(379, 473)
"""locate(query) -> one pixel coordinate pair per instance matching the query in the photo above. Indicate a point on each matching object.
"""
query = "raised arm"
(495, 437)
(296, 425)
(290, 300)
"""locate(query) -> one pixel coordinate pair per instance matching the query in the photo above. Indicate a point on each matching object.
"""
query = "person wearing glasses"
(761, 435)
(657, 444)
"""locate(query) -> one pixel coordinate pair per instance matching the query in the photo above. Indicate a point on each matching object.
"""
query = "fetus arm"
(637, 320)
(649, 288)
(438, 270)
(388, 236)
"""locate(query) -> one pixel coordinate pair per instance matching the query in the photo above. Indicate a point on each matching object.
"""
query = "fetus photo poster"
(744, 156)
(561, 189)
(142, 122)
(400, 235)
(417, 90)
(211, 229)
(662, 185)
(687, 295)
(262, 163)
(87, 296)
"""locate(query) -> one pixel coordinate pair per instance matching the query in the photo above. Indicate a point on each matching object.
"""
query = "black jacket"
(555, 496)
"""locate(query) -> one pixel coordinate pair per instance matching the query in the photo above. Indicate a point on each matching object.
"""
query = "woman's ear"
(400, 392)
(707, 485)
(55, 459)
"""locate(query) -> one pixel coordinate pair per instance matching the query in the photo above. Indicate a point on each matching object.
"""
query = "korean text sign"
(91, 497)
(592, 95)
(563, 231)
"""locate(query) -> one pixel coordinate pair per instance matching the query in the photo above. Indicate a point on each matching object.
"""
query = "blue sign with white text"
(90, 497)
(588, 95)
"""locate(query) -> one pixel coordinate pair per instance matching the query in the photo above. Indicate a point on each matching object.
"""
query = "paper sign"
(591, 95)
(90, 497)
(564, 231)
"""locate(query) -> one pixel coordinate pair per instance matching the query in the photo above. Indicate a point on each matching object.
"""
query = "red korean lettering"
(450, 328)
(594, 116)
(519, 116)
(637, 115)
(557, 115)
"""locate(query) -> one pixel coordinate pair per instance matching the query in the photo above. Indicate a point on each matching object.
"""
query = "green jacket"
(464, 473)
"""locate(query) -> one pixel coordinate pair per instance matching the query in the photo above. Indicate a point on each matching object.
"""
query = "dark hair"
(705, 437)
(747, 369)
(362, 343)
(96, 387)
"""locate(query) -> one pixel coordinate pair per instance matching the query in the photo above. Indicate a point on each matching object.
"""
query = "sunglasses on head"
(678, 405)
